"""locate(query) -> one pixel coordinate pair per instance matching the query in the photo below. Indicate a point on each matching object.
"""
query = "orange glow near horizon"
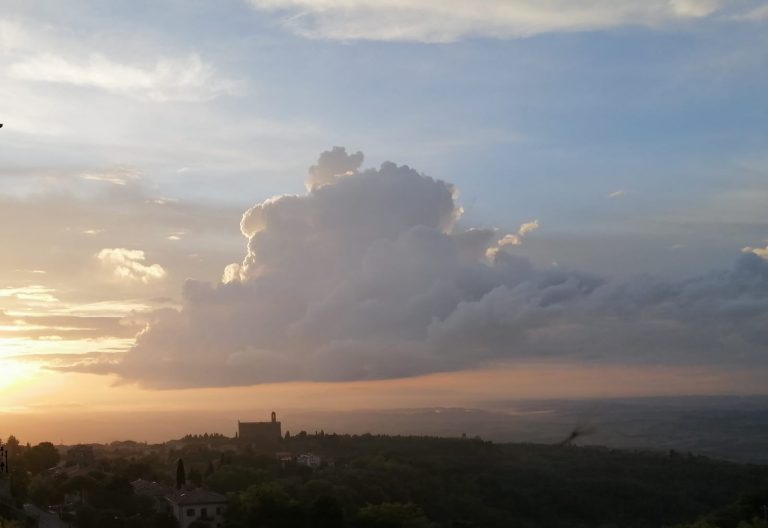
(38, 397)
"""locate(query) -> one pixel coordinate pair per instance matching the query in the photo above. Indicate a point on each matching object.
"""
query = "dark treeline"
(371, 481)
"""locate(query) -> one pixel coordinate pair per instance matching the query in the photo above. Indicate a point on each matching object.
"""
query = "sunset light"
(384, 264)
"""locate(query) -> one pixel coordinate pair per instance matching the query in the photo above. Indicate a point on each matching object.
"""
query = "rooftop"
(151, 489)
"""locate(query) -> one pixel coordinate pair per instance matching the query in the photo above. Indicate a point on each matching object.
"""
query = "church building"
(260, 434)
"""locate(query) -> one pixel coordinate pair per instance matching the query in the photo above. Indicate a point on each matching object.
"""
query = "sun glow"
(14, 374)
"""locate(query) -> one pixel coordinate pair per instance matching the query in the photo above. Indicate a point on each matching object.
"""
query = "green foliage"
(13, 444)
(269, 506)
(85, 516)
(754, 523)
(181, 474)
(116, 494)
(326, 512)
(110, 519)
(195, 477)
(231, 478)
(471, 483)
(371, 481)
(41, 457)
(392, 515)
(749, 511)
(163, 520)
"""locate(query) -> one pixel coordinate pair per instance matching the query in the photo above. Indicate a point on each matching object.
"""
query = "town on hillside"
(262, 476)
(74, 475)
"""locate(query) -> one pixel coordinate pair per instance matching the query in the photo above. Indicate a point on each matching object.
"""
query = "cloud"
(119, 175)
(96, 212)
(332, 165)
(34, 294)
(169, 79)
(68, 327)
(617, 194)
(761, 252)
(439, 21)
(128, 264)
(13, 36)
(528, 227)
(512, 239)
(757, 14)
(63, 361)
(368, 276)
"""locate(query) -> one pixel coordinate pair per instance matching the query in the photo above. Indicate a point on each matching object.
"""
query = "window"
(218, 509)
(203, 512)
(190, 512)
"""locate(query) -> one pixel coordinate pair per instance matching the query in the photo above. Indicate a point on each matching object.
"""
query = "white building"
(309, 459)
(198, 505)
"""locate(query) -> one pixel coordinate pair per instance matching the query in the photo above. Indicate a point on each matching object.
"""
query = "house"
(310, 460)
(206, 506)
(260, 434)
(155, 491)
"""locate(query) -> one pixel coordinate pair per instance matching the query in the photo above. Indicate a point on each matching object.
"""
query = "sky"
(239, 205)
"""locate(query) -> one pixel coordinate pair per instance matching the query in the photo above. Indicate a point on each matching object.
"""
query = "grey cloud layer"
(367, 276)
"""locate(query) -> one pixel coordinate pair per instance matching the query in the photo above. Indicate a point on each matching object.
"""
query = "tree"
(164, 520)
(269, 506)
(181, 475)
(19, 478)
(235, 478)
(80, 484)
(326, 512)
(110, 519)
(43, 491)
(392, 515)
(13, 445)
(195, 477)
(41, 457)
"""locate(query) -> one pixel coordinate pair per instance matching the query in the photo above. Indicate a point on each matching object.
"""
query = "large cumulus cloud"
(368, 276)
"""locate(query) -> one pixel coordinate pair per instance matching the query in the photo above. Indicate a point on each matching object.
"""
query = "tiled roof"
(151, 489)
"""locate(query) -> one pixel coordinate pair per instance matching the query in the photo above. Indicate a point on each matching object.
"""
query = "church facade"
(260, 434)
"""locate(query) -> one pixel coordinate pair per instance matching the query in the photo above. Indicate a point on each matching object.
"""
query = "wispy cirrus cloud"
(119, 175)
(187, 79)
(439, 21)
(68, 327)
(62, 361)
(36, 52)
(34, 293)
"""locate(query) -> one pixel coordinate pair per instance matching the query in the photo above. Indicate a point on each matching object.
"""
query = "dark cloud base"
(366, 276)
